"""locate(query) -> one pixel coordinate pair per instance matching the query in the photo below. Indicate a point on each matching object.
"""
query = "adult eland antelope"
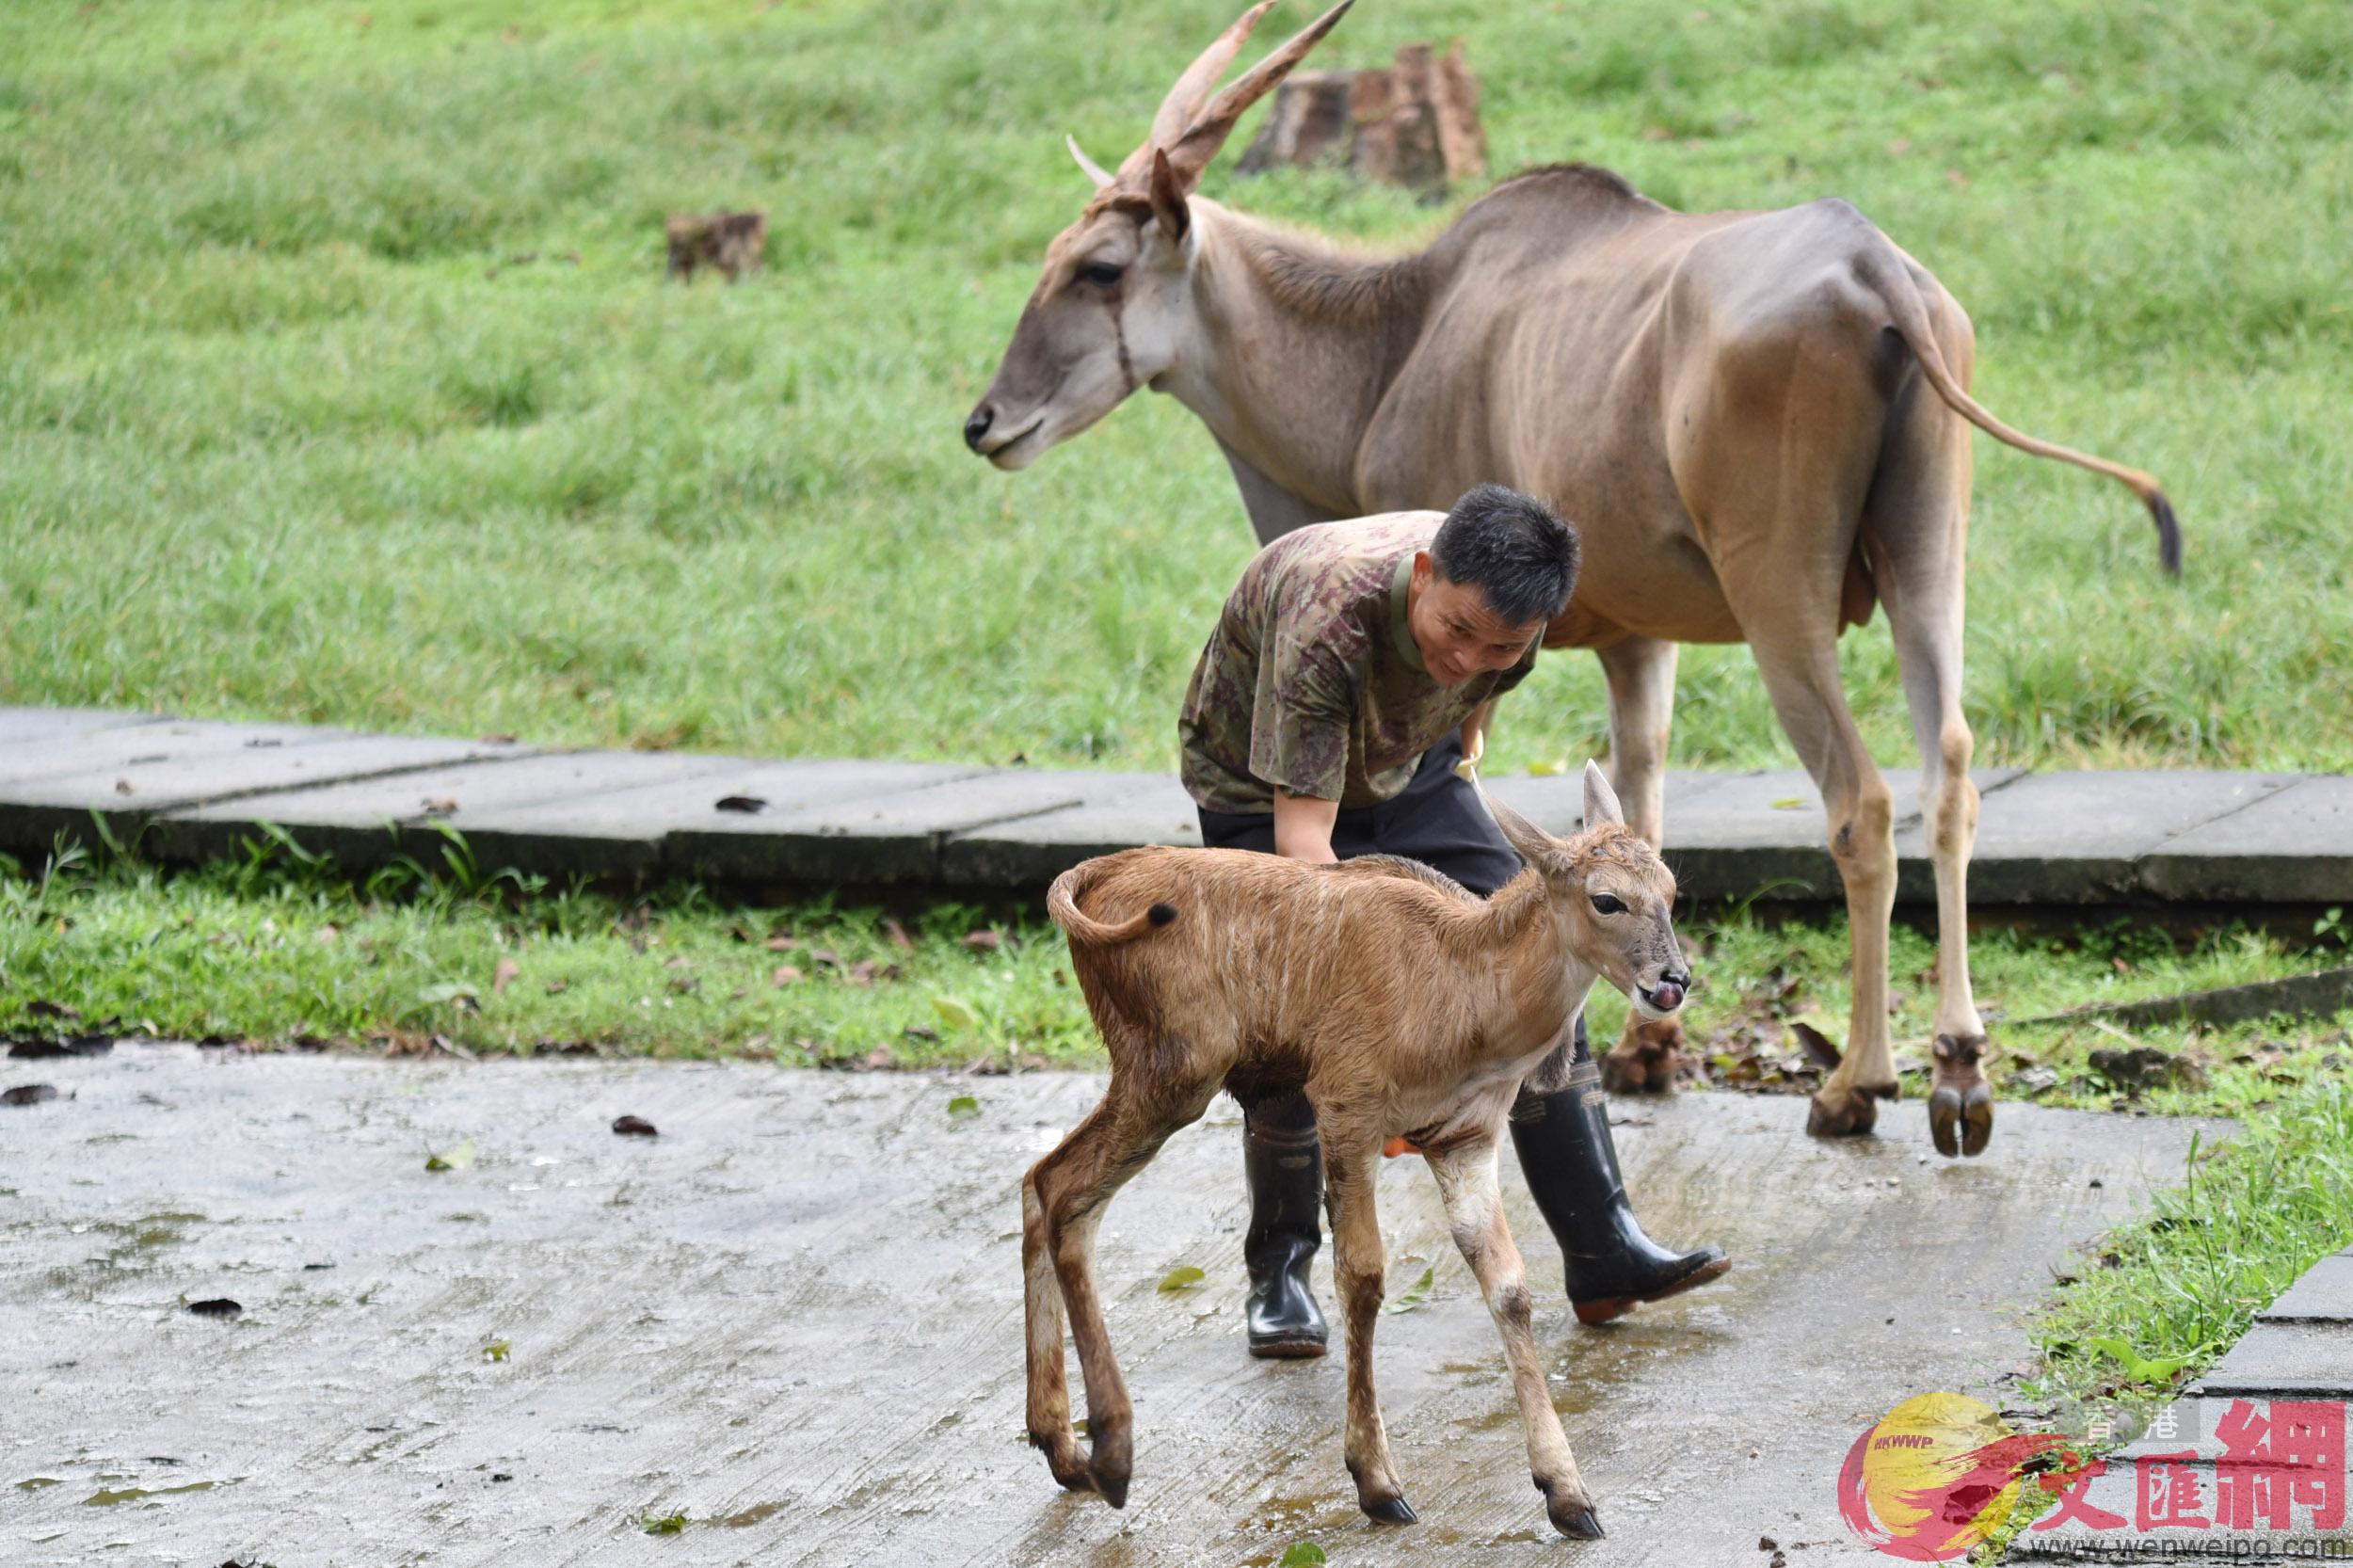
(1758, 421)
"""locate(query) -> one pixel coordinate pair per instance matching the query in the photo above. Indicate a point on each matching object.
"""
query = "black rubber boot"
(1562, 1140)
(1285, 1167)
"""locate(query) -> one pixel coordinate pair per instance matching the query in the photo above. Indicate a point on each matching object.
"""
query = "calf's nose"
(977, 427)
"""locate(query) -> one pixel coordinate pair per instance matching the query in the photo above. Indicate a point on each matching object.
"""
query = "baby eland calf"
(1404, 1007)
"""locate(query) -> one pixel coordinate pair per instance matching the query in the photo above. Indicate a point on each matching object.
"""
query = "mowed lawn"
(339, 381)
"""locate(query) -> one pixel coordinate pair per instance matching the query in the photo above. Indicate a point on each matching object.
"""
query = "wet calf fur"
(1402, 1005)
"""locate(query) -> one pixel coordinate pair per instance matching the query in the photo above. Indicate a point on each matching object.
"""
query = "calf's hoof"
(1389, 1511)
(1573, 1518)
(1960, 1106)
(1845, 1113)
(1578, 1524)
(1062, 1457)
(1646, 1060)
(1113, 1462)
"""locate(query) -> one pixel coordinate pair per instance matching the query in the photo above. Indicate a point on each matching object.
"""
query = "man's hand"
(1475, 741)
(1303, 827)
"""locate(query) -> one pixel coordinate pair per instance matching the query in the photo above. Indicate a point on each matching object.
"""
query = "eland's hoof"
(1845, 1113)
(1960, 1106)
(1389, 1511)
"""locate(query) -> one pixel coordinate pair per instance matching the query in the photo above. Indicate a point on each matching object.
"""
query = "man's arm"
(1474, 730)
(1303, 827)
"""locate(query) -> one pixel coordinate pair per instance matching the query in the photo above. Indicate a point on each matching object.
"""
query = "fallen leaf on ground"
(1413, 1294)
(863, 972)
(1183, 1277)
(747, 804)
(496, 1349)
(1818, 1045)
(963, 1105)
(824, 958)
(1304, 1553)
(786, 974)
(984, 941)
(439, 806)
(557, 988)
(670, 1525)
(219, 1306)
(783, 944)
(28, 1093)
(955, 1012)
(898, 934)
(634, 1126)
(504, 976)
(456, 1159)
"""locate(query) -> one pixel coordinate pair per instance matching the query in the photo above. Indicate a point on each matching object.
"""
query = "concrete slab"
(21, 728)
(536, 812)
(2284, 1359)
(1120, 811)
(869, 836)
(162, 768)
(2079, 838)
(102, 748)
(2293, 844)
(2059, 838)
(2324, 1295)
(795, 1318)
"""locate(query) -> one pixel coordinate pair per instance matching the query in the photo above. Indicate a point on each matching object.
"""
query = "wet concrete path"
(793, 1319)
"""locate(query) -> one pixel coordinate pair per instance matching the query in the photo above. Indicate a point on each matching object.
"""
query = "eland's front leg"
(1358, 1263)
(1474, 1210)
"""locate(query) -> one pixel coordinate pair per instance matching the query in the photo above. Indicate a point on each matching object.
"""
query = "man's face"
(1460, 638)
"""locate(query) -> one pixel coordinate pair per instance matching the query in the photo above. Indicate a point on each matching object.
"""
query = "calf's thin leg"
(1358, 1266)
(1072, 1185)
(1465, 1170)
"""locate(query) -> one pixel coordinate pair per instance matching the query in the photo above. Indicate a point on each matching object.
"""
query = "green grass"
(2184, 1278)
(289, 427)
(276, 950)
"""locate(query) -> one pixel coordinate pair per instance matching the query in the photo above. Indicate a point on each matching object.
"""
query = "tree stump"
(1413, 123)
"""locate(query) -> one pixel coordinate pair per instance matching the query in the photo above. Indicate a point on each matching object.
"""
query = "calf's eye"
(1101, 274)
(1604, 903)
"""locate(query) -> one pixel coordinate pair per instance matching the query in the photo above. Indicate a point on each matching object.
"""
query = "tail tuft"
(1161, 914)
(2169, 532)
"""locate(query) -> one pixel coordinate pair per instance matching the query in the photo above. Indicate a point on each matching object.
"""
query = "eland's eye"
(1605, 903)
(1103, 275)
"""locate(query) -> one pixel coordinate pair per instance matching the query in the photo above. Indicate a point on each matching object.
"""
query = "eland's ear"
(1534, 845)
(1168, 200)
(1601, 801)
(1094, 171)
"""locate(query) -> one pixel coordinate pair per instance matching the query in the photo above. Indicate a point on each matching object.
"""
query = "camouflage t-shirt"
(1311, 679)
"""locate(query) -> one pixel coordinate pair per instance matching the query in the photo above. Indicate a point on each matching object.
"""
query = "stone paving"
(2300, 1350)
(196, 789)
(794, 1320)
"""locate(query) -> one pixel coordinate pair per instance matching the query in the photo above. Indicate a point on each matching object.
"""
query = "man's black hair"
(1513, 548)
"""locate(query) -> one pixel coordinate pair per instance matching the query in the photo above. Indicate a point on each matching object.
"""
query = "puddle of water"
(749, 1516)
(34, 1483)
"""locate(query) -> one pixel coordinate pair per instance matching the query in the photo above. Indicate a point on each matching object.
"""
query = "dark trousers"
(1437, 819)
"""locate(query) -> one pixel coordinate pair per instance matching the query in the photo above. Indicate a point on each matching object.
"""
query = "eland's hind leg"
(1917, 521)
(1465, 1169)
(1071, 1186)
